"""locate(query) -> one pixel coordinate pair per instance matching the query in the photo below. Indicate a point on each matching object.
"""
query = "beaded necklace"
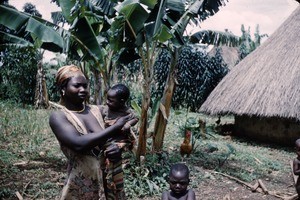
(78, 111)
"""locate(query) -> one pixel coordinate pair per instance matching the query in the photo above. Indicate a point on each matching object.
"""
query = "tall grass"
(26, 147)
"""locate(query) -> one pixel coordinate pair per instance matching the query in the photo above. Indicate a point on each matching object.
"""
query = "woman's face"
(76, 90)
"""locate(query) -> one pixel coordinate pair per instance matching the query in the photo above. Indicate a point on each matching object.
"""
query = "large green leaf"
(18, 21)
(164, 35)
(197, 11)
(128, 26)
(215, 38)
(6, 38)
(191, 12)
(106, 6)
(12, 18)
(135, 15)
(149, 3)
(87, 39)
(176, 5)
(44, 33)
(157, 23)
(66, 7)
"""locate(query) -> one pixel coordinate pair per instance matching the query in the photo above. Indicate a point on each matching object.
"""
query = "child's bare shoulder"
(191, 195)
(296, 160)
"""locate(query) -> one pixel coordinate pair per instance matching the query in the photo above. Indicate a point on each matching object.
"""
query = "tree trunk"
(41, 94)
(148, 60)
(98, 98)
(164, 107)
(142, 141)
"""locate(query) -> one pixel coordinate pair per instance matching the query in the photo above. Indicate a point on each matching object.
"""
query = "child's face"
(178, 182)
(113, 102)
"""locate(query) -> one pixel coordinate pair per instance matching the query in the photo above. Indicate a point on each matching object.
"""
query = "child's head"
(297, 147)
(117, 96)
(179, 179)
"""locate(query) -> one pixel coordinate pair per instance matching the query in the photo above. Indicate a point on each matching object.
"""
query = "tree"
(4, 2)
(18, 81)
(22, 67)
(247, 44)
(31, 9)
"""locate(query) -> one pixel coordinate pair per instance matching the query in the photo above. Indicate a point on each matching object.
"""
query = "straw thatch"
(267, 82)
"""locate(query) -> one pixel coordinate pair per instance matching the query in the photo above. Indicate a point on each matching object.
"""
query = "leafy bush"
(50, 72)
(148, 179)
(18, 74)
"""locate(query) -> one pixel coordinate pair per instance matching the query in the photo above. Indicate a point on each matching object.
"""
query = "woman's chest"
(90, 123)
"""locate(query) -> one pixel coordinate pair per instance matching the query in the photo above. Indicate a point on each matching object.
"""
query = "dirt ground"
(212, 186)
(219, 186)
(226, 188)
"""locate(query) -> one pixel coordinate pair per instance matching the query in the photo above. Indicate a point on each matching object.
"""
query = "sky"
(268, 14)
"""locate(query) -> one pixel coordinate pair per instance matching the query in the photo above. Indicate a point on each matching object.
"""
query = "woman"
(79, 129)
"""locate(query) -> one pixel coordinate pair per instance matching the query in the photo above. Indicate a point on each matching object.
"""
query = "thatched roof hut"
(265, 84)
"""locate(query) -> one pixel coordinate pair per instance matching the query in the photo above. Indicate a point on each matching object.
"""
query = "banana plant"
(42, 34)
(209, 37)
(149, 24)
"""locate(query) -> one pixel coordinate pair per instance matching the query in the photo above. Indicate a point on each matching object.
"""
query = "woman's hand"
(113, 153)
(122, 121)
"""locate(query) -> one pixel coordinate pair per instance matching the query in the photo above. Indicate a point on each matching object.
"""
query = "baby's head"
(179, 179)
(117, 96)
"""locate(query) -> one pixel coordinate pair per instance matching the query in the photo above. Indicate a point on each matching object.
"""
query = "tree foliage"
(31, 9)
(196, 76)
(247, 43)
(17, 74)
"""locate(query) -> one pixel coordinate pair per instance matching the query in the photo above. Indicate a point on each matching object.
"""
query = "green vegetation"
(18, 74)
(32, 164)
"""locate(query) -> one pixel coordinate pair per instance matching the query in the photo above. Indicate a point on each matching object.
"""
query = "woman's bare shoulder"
(56, 115)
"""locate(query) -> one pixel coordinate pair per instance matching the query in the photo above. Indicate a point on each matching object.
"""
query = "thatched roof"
(266, 82)
(230, 55)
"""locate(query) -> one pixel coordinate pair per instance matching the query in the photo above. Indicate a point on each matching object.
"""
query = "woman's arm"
(67, 134)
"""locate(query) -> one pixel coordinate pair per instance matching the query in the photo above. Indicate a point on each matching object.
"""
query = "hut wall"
(270, 130)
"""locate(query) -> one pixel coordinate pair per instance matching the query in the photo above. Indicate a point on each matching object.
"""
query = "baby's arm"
(296, 169)
(133, 121)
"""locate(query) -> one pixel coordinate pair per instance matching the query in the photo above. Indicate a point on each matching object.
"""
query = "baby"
(179, 181)
(116, 107)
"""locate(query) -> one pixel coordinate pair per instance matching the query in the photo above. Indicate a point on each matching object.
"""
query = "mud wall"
(270, 130)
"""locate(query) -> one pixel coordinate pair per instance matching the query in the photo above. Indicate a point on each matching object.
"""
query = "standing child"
(116, 107)
(179, 181)
(296, 165)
